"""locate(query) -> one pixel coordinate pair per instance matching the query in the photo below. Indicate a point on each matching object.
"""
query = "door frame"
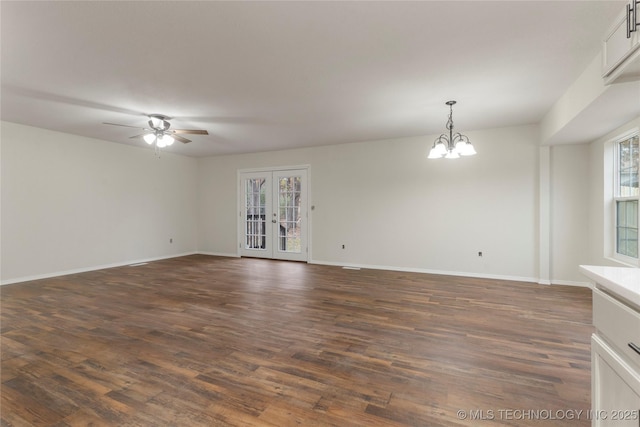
(240, 205)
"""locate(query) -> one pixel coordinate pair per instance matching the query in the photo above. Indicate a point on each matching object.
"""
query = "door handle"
(632, 17)
(273, 221)
(629, 19)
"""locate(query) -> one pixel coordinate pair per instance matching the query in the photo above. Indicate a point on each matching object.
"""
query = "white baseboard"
(428, 271)
(228, 255)
(319, 262)
(92, 268)
(572, 283)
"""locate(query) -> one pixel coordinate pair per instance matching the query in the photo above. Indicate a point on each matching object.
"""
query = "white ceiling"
(272, 75)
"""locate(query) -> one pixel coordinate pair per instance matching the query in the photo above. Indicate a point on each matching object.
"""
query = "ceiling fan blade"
(126, 126)
(181, 139)
(139, 136)
(191, 131)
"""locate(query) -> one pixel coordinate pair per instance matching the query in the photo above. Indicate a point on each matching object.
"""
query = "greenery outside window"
(626, 195)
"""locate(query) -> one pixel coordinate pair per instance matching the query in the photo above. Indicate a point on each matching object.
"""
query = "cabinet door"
(617, 47)
(615, 388)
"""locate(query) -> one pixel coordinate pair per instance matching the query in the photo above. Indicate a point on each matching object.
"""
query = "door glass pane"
(289, 210)
(255, 210)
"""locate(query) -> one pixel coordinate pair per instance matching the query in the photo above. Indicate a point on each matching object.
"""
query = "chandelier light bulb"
(433, 154)
(452, 154)
(438, 150)
(468, 150)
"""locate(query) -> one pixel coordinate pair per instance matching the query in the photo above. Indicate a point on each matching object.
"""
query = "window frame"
(618, 198)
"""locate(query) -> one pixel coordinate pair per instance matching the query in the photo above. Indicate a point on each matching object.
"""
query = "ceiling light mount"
(451, 146)
(159, 122)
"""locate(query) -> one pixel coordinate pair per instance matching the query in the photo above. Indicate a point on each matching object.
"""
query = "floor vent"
(350, 268)
(139, 264)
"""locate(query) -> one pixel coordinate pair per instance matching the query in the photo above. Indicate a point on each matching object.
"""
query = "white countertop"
(621, 281)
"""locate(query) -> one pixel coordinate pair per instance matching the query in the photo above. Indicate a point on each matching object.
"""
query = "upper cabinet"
(621, 47)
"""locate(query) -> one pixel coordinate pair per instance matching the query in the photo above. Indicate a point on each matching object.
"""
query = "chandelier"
(452, 146)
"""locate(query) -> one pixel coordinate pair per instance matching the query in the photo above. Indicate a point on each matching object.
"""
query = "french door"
(273, 214)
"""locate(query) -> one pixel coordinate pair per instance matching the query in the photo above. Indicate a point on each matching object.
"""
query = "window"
(626, 196)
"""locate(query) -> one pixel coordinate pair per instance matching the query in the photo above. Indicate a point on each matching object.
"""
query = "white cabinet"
(615, 365)
(615, 388)
(621, 54)
(615, 346)
(618, 324)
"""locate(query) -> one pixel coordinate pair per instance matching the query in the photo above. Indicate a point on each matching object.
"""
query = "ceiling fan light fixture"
(158, 133)
(166, 140)
(149, 138)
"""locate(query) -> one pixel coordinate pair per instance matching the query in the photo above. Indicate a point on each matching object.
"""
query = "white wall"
(581, 206)
(71, 203)
(600, 193)
(569, 212)
(392, 207)
(576, 99)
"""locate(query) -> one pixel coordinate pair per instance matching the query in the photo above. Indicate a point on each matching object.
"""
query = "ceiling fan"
(159, 132)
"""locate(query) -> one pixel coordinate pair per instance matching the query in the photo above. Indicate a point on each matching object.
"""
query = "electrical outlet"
(342, 246)
(480, 254)
(171, 240)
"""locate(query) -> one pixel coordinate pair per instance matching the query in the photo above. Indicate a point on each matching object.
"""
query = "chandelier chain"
(450, 121)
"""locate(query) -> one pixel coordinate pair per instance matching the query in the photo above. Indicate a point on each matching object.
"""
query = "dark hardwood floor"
(211, 341)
